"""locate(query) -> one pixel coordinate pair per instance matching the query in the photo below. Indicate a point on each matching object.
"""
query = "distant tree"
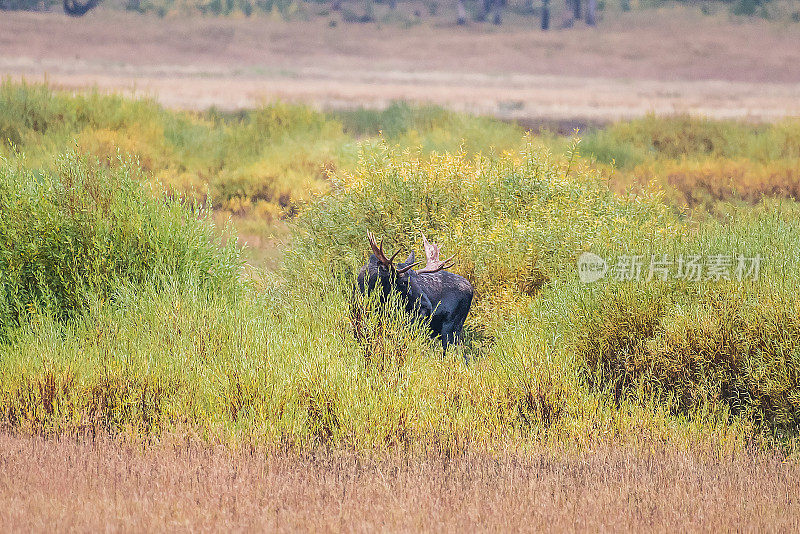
(591, 12)
(78, 8)
(545, 15)
(462, 13)
(575, 12)
(493, 9)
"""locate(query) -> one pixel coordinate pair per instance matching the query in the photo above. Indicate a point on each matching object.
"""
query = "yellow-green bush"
(250, 163)
(705, 183)
(513, 221)
(700, 163)
(282, 361)
(80, 232)
(731, 346)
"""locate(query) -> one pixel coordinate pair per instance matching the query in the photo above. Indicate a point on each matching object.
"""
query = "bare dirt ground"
(669, 61)
(77, 485)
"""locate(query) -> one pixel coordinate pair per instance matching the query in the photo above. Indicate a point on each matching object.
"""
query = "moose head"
(431, 292)
(381, 272)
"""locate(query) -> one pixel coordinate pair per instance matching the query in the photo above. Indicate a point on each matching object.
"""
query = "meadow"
(180, 486)
(128, 310)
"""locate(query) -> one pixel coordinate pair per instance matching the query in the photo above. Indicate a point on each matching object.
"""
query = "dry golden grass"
(73, 484)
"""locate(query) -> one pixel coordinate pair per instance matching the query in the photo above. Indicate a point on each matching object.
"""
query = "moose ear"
(410, 259)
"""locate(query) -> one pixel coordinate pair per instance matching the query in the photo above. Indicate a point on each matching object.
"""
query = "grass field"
(179, 486)
(131, 320)
(260, 166)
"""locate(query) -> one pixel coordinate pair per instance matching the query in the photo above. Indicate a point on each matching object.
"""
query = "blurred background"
(599, 60)
(144, 143)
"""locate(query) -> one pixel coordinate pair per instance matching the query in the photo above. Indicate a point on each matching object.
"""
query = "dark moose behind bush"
(440, 298)
(155, 342)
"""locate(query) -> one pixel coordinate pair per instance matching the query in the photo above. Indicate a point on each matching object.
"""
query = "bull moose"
(431, 293)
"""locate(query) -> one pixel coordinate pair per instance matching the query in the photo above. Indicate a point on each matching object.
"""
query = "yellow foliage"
(143, 144)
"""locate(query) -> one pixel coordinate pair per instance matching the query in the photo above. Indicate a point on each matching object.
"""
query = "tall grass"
(258, 166)
(80, 232)
(701, 164)
(551, 360)
(183, 484)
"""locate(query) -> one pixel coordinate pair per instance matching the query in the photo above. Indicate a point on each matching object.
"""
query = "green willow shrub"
(397, 119)
(513, 221)
(721, 350)
(83, 230)
(257, 165)
(720, 345)
(684, 136)
(294, 361)
(702, 165)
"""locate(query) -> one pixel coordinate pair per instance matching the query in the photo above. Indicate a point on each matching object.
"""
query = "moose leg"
(458, 336)
(446, 335)
(453, 334)
(545, 14)
(591, 13)
(458, 332)
(447, 339)
(450, 334)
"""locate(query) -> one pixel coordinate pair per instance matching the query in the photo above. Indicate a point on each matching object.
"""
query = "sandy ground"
(664, 62)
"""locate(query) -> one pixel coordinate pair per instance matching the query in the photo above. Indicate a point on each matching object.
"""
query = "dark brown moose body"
(431, 293)
(450, 296)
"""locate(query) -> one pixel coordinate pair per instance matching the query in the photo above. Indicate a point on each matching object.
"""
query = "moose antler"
(378, 251)
(408, 268)
(388, 262)
(434, 265)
